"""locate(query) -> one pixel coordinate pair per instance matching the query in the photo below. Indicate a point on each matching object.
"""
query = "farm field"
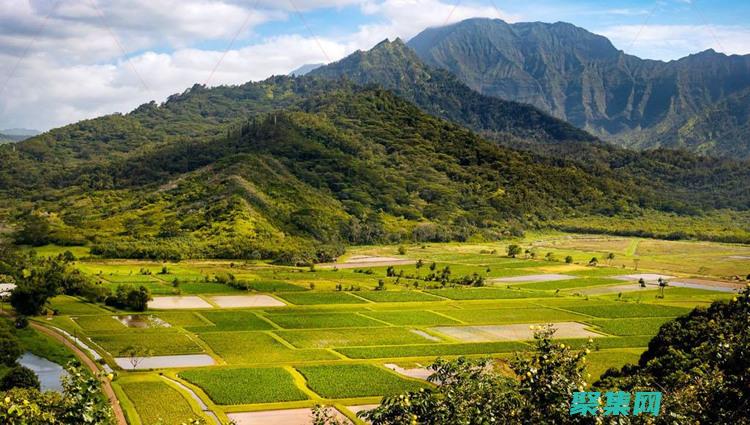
(329, 332)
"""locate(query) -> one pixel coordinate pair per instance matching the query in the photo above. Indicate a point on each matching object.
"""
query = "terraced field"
(328, 333)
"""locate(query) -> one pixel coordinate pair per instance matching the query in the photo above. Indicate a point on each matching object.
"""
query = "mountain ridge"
(581, 77)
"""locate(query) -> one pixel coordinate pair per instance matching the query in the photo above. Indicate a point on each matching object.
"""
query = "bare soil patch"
(285, 417)
(514, 332)
(368, 261)
(415, 372)
(178, 302)
(236, 301)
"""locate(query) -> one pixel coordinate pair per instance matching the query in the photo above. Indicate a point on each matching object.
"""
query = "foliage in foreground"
(81, 402)
(700, 361)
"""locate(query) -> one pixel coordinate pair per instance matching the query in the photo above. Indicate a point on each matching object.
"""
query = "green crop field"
(396, 296)
(258, 347)
(631, 326)
(158, 343)
(351, 337)
(225, 321)
(308, 298)
(157, 402)
(331, 345)
(322, 320)
(430, 350)
(99, 323)
(485, 293)
(630, 310)
(245, 385)
(346, 381)
(513, 315)
(412, 318)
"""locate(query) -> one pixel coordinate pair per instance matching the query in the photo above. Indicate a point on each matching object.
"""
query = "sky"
(62, 61)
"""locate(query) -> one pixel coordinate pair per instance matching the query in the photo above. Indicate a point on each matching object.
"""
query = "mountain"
(304, 69)
(16, 134)
(294, 168)
(582, 78)
(341, 165)
(20, 132)
(393, 66)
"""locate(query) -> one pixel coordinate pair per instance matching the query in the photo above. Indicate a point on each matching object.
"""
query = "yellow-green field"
(333, 340)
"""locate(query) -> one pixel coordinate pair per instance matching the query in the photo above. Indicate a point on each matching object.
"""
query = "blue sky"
(63, 61)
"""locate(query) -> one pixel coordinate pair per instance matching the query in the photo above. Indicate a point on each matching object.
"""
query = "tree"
(610, 257)
(513, 250)
(136, 354)
(593, 262)
(19, 377)
(662, 284)
(550, 257)
(10, 348)
(568, 259)
(29, 300)
(35, 231)
(636, 261)
(81, 402)
(642, 282)
(699, 362)
(401, 250)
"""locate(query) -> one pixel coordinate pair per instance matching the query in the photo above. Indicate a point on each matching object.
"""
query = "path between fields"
(86, 360)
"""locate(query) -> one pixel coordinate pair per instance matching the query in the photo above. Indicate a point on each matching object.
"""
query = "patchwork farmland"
(345, 336)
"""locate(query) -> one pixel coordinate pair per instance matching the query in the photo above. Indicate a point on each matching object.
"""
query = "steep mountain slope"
(393, 66)
(582, 78)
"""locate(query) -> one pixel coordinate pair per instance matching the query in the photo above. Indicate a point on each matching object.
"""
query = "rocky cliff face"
(582, 78)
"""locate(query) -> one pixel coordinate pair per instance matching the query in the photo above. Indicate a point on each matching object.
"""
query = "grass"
(347, 381)
(237, 320)
(179, 318)
(157, 402)
(43, 346)
(274, 286)
(600, 361)
(568, 284)
(187, 288)
(322, 320)
(161, 343)
(351, 337)
(246, 385)
(67, 305)
(430, 350)
(312, 298)
(411, 317)
(396, 296)
(129, 278)
(484, 293)
(512, 315)
(629, 310)
(99, 323)
(258, 347)
(630, 326)
(609, 342)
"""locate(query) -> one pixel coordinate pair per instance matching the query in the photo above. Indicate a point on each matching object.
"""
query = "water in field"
(49, 373)
(162, 362)
(142, 321)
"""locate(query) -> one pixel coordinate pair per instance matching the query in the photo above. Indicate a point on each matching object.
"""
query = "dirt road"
(92, 365)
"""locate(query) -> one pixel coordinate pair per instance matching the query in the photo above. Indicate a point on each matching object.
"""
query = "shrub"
(10, 348)
(19, 377)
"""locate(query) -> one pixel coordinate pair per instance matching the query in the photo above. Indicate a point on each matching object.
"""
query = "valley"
(336, 335)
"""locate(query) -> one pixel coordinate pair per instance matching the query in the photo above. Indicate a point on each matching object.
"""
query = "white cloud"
(668, 42)
(406, 18)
